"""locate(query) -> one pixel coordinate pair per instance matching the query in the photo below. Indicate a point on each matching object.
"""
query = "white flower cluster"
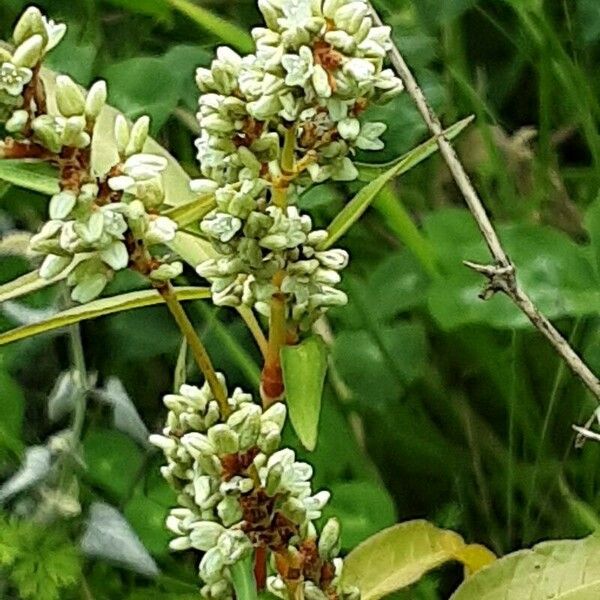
(91, 229)
(275, 122)
(96, 223)
(236, 488)
(34, 36)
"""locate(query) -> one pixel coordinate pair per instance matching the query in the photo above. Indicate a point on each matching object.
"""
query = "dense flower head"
(272, 124)
(237, 489)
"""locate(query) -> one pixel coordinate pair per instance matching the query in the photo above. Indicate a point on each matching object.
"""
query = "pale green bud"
(329, 540)
(166, 444)
(29, 53)
(246, 422)
(229, 510)
(294, 510)
(312, 592)
(46, 133)
(225, 440)
(138, 136)
(62, 204)
(69, 97)
(90, 287)
(29, 24)
(320, 81)
(53, 265)
(17, 121)
(273, 479)
(211, 565)
(180, 543)
(73, 133)
(121, 133)
(96, 100)
(115, 255)
(167, 271)
(205, 535)
(349, 128)
(275, 414)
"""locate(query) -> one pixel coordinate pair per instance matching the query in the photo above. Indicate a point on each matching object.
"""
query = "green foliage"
(304, 369)
(41, 563)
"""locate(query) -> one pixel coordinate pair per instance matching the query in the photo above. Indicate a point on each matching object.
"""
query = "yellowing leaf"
(400, 555)
(556, 570)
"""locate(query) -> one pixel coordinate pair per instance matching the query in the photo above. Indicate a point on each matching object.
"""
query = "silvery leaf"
(109, 536)
(34, 469)
(25, 315)
(125, 415)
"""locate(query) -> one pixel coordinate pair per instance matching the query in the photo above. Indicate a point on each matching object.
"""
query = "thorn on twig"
(501, 278)
(585, 433)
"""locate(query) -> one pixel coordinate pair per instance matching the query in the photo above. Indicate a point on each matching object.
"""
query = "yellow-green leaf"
(560, 570)
(190, 212)
(361, 201)
(32, 175)
(304, 367)
(400, 555)
(99, 308)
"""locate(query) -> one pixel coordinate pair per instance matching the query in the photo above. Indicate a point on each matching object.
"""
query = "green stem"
(242, 577)
(196, 346)
(82, 381)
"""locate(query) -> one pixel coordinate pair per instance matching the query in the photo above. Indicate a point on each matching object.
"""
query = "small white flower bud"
(138, 136)
(96, 100)
(167, 271)
(69, 97)
(17, 121)
(179, 544)
(62, 204)
(205, 534)
(121, 133)
(115, 255)
(29, 53)
(225, 440)
(31, 22)
(329, 540)
(53, 265)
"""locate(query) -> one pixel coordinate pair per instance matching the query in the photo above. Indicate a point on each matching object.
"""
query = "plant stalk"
(195, 345)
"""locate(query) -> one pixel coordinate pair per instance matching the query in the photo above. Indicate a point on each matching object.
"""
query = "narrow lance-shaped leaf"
(98, 308)
(36, 176)
(400, 555)
(561, 570)
(359, 204)
(304, 368)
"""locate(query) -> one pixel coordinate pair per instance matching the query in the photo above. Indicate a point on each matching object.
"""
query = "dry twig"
(502, 274)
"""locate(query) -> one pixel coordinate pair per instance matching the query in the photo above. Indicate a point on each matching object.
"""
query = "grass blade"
(362, 200)
(99, 308)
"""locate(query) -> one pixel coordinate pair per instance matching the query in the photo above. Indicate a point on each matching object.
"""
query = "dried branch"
(501, 275)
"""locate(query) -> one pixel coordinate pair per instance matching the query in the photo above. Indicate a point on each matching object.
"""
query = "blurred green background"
(438, 405)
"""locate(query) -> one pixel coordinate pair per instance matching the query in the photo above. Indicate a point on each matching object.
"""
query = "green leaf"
(242, 577)
(188, 213)
(12, 411)
(231, 34)
(561, 570)
(151, 8)
(31, 175)
(555, 271)
(399, 556)
(113, 461)
(363, 508)
(143, 85)
(99, 308)
(304, 367)
(359, 204)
